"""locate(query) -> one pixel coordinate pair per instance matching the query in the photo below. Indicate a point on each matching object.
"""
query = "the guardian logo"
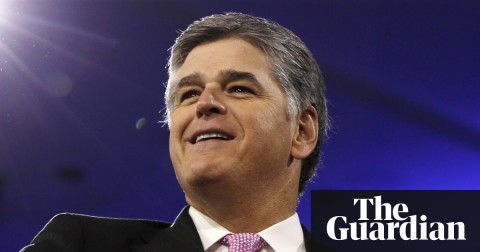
(391, 223)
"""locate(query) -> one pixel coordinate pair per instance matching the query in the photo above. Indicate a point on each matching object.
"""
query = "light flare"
(12, 34)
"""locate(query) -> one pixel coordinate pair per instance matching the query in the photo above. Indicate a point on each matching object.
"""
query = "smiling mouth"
(210, 136)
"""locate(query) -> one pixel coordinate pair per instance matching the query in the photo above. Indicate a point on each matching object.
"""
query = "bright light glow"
(3, 5)
(5, 8)
(28, 42)
(26, 46)
(13, 29)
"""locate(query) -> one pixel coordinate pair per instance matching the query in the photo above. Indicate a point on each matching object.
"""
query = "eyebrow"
(230, 75)
(225, 76)
(189, 80)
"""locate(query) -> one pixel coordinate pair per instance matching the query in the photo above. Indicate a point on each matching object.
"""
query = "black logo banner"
(409, 220)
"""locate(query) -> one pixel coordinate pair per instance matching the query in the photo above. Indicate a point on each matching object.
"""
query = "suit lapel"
(310, 244)
(306, 239)
(180, 236)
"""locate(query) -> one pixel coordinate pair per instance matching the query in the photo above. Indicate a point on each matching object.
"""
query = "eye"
(240, 89)
(189, 94)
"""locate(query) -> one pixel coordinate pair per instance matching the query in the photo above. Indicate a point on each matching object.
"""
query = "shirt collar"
(286, 235)
(208, 230)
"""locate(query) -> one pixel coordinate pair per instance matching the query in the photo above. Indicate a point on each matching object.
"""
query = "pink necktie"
(244, 242)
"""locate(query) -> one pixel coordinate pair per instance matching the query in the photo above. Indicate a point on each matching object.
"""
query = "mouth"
(205, 136)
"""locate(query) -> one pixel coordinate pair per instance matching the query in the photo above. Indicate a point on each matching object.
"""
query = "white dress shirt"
(285, 236)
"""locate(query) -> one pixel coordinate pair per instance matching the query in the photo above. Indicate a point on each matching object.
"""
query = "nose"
(208, 103)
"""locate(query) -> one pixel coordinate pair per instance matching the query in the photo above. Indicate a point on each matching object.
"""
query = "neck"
(245, 211)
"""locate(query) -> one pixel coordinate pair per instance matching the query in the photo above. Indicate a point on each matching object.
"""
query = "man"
(247, 115)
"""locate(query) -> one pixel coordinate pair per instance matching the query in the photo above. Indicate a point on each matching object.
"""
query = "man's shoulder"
(101, 226)
(107, 222)
(76, 232)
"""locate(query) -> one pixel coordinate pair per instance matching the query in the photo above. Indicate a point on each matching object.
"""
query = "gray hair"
(292, 65)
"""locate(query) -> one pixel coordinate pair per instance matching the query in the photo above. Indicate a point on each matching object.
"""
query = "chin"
(204, 175)
(203, 182)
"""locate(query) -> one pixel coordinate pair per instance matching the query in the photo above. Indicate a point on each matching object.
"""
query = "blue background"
(82, 82)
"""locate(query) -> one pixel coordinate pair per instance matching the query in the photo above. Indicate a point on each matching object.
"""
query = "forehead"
(225, 54)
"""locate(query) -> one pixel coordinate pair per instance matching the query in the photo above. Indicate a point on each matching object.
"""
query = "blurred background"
(82, 83)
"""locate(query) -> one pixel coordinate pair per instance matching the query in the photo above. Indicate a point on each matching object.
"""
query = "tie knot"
(244, 242)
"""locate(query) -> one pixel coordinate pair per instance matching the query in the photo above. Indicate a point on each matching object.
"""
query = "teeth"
(210, 135)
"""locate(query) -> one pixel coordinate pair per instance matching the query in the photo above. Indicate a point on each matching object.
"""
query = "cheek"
(179, 121)
(264, 119)
(270, 119)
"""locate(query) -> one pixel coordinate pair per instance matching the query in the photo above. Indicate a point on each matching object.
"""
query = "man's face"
(229, 122)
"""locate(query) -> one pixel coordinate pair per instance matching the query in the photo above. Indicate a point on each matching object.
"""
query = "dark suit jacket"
(80, 233)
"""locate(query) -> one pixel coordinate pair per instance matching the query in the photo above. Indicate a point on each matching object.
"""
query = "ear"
(306, 135)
